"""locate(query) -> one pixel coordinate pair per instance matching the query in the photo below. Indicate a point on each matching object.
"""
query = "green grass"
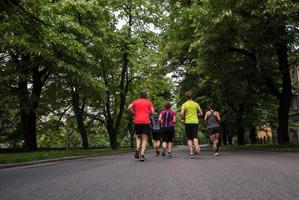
(41, 155)
(273, 147)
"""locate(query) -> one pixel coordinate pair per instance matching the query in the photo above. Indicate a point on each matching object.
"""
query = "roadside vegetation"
(42, 155)
(69, 68)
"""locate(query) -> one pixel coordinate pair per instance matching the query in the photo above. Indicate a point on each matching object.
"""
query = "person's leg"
(195, 140)
(211, 140)
(169, 147)
(158, 145)
(144, 139)
(196, 145)
(188, 130)
(164, 146)
(170, 138)
(190, 146)
(216, 139)
(156, 142)
(214, 142)
(138, 143)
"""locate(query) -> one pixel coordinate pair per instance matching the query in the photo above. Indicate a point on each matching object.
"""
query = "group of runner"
(161, 125)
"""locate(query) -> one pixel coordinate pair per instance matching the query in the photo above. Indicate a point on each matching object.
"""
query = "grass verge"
(269, 147)
(41, 155)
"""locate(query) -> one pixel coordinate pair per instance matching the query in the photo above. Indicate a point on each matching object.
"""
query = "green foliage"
(107, 51)
(217, 44)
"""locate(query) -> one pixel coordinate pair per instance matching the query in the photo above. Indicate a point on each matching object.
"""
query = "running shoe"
(163, 152)
(192, 156)
(142, 158)
(136, 154)
(216, 154)
(169, 155)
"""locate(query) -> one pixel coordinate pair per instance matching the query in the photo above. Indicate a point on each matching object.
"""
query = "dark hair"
(212, 106)
(167, 105)
(188, 95)
(143, 94)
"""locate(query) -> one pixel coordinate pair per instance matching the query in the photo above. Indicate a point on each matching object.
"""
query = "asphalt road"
(233, 175)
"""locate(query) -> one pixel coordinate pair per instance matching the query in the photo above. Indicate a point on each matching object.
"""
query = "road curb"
(264, 150)
(11, 165)
(52, 160)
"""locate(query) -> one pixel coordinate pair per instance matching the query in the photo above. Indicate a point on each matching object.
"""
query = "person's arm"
(152, 121)
(183, 112)
(218, 116)
(130, 108)
(206, 116)
(199, 111)
(160, 118)
(174, 118)
(152, 109)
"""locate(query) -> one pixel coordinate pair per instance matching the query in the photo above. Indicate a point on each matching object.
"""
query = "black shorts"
(167, 134)
(214, 130)
(143, 129)
(156, 134)
(191, 131)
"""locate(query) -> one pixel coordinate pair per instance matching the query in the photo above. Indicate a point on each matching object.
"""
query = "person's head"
(143, 94)
(211, 106)
(188, 95)
(167, 105)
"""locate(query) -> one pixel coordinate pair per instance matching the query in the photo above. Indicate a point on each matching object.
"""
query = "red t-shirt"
(142, 109)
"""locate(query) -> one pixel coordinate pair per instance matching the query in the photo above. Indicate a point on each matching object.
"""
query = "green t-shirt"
(191, 108)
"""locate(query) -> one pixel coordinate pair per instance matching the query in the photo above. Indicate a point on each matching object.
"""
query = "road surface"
(233, 175)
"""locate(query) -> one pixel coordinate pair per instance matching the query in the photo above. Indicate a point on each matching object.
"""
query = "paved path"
(234, 175)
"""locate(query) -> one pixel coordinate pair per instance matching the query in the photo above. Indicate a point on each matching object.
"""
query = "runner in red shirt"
(142, 108)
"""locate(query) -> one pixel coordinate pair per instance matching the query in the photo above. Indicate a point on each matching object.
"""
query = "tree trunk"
(286, 95)
(131, 132)
(28, 105)
(113, 117)
(124, 83)
(28, 129)
(226, 133)
(109, 121)
(79, 117)
(111, 132)
(113, 139)
(283, 122)
(240, 129)
(252, 135)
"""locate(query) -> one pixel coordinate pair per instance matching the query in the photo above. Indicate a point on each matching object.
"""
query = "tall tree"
(249, 38)
(40, 38)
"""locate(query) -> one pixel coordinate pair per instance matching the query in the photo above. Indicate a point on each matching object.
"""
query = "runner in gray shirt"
(212, 118)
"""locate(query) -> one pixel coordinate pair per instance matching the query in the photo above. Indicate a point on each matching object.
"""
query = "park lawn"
(270, 147)
(41, 155)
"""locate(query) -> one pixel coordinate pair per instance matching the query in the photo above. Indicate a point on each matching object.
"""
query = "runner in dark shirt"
(212, 118)
(167, 119)
(156, 132)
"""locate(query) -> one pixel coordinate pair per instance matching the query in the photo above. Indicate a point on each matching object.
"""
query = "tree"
(258, 30)
(243, 43)
(36, 45)
(127, 59)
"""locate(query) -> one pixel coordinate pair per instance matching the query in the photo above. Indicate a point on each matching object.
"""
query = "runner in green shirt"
(190, 112)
